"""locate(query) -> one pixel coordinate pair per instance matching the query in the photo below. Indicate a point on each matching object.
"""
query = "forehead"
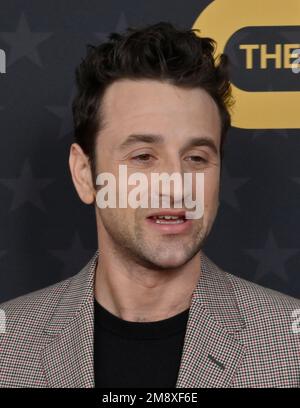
(154, 106)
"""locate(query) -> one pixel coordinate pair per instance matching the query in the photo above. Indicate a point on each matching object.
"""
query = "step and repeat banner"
(47, 234)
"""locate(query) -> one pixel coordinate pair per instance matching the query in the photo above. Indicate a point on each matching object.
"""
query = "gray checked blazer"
(239, 334)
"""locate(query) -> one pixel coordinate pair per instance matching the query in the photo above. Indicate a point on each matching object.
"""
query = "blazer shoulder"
(34, 307)
(252, 295)
(40, 304)
(36, 297)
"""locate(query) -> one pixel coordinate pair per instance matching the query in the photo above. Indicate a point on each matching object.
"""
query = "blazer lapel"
(211, 354)
(68, 358)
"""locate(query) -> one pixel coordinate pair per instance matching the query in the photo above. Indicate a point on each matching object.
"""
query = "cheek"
(211, 189)
(117, 220)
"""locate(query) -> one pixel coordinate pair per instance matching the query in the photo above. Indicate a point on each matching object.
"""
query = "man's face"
(174, 116)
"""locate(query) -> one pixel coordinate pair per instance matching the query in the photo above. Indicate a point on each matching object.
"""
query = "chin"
(171, 262)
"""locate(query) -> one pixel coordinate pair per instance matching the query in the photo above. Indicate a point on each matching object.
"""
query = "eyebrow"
(201, 141)
(158, 139)
(138, 138)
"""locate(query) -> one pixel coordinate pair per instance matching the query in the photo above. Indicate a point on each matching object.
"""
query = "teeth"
(167, 217)
(177, 221)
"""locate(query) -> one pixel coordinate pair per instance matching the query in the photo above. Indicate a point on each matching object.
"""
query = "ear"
(81, 174)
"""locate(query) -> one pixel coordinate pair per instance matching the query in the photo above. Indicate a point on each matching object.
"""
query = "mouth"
(168, 218)
(169, 221)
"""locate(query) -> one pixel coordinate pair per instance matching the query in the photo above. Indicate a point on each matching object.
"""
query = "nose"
(171, 192)
(172, 164)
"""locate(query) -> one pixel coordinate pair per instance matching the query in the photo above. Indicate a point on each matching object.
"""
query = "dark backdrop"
(46, 233)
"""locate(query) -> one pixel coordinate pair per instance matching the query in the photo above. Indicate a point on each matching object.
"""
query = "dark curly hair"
(161, 52)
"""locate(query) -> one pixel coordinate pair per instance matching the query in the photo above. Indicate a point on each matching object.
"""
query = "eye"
(142, 157)
(197, 159)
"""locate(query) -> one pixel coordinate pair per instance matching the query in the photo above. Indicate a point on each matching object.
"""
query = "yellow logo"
(220, 20)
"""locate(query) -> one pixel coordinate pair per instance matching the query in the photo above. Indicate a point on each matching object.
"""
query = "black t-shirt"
(137, 354)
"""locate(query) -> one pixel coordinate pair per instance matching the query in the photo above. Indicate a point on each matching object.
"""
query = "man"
(150, 309)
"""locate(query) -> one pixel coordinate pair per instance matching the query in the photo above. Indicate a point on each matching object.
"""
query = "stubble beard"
(151, 253)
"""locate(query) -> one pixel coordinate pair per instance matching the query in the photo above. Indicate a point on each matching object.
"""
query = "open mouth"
(170, 222)
(167, 219)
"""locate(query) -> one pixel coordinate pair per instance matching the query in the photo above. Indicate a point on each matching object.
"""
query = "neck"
(137, 293)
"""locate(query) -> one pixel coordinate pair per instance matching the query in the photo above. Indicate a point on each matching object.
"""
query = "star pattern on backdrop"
(29, 43)
(121, 26)
(26, 188)
(64, 112)
(228, 187)
(258, 133)
(24, 42)
(73, 257)
(271, 259)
